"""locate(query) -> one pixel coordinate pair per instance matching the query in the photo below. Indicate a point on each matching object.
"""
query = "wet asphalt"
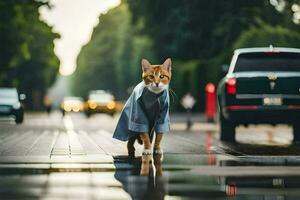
(50, 157)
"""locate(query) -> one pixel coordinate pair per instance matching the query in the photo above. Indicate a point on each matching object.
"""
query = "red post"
(210, 111)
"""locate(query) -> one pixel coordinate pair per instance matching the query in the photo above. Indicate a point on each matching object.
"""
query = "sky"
(74, 20)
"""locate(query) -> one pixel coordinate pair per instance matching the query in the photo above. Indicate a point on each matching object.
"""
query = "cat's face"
(157, 77)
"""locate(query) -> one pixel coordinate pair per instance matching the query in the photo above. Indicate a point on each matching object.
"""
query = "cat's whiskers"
(172, 93)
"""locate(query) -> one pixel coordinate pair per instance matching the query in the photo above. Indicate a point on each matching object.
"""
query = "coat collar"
(140, 87)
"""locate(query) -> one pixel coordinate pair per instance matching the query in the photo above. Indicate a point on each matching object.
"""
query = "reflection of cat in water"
(140, 182)
(147, 110)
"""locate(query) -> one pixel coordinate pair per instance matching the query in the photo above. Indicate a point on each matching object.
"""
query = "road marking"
(68, 123)
(85, 134)
(7, 137)
(75, 147)
(74, 144)
(36, 141)
(53, 142)
(61, 146)
(14, 142)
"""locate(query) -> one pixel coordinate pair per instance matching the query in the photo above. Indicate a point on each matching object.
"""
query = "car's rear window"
(8, 93)
(101, 97)
(268, 61)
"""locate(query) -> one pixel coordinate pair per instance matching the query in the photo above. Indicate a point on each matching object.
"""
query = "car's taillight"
(231, 86)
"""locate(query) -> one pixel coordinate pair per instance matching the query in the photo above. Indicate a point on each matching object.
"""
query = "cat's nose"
(156, 84)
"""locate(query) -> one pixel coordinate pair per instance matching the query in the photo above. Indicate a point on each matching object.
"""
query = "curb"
(202, 126)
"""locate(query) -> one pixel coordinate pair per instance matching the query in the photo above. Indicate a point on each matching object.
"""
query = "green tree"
(265, 35)
(27, 59)
(198, 29)
(199, 35)
(111, 60)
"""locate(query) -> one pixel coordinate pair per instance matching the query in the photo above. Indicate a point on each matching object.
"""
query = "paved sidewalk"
(203, 127)
(178, 123)
(75, 138)
(176, 117)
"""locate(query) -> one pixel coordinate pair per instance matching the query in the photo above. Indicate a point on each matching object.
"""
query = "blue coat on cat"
(134, 120)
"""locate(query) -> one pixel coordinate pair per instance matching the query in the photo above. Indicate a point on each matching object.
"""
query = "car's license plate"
(272, 101)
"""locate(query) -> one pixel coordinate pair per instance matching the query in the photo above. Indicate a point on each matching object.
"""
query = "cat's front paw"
(157, 152)
(147, 152)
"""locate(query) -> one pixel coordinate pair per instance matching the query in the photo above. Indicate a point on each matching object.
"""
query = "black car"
(10, 104)
(262, 86)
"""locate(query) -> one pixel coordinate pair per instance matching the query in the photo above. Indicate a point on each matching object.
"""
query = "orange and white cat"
(147, 110)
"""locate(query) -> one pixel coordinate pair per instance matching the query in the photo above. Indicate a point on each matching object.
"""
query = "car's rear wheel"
(227, 130)
(112, 114)
(296, 132)
(19, 118)
(87, 114)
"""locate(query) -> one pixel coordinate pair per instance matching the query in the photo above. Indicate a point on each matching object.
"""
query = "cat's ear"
(167, 64)
(145, 65)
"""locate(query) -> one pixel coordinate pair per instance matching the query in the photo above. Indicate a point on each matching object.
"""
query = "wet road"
(50, 157)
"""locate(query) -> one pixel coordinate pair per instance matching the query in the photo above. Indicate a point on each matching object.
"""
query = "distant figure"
(48, 104)
(188, 102)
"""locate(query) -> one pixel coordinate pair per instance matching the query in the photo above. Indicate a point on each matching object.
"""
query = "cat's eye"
(162, 76)
(151, 76)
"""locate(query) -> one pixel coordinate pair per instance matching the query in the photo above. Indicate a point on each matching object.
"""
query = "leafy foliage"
(111, 59)
(197, 29)
(265, 35)
(201, 34)
(198, 35)
(27, 59)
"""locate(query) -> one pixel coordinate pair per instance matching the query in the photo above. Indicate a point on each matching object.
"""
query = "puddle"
(177, 176)
(219, 182)
(241, 149)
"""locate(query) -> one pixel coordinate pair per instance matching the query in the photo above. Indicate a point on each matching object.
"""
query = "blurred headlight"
(92, 104)
(17, 105)
(111, 105)
(76, 109)
(67, 108)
